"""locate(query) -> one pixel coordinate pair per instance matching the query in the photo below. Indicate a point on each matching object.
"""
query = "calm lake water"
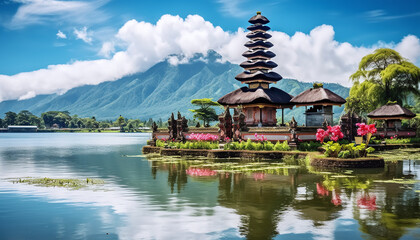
(170, 198)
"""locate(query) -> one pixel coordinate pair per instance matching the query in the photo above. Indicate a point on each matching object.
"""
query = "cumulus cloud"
(107, 49)
(60, 34)
(307, 57)
(83, 34)
(32, 12)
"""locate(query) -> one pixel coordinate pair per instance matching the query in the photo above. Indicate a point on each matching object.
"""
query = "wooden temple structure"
(321, 101)
(392, 114)
(255, 105)
(258, 100)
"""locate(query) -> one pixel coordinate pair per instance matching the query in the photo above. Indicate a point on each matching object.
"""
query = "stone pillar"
(293, 129)
(172, 127)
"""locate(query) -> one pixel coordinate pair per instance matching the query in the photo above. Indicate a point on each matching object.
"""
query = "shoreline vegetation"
(62, 121)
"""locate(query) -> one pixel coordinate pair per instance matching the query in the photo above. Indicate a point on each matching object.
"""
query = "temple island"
(251, 110)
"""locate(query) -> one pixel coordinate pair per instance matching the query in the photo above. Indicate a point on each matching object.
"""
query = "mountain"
(157, 92)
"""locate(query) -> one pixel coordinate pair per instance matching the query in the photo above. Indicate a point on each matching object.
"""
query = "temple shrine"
(255, 105)
(258, 100)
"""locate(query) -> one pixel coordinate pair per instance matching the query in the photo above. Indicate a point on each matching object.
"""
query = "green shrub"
(284, 146)
(269, 146)
(350, 150)
(344, 154)
(402, 140)
(160, 143)
(250, 145)
(309, 146)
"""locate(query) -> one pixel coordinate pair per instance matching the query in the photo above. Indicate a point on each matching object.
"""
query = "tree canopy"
(205, 112)
(382, 76)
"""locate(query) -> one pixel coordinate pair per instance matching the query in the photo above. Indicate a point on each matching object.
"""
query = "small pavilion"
(321, 101)
(258, 100)
(392, 113)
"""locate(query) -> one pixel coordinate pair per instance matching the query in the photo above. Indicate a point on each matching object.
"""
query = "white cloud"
(83, 34)
(232, 8)
(33, 12)
(307, 57)
(107, 49)
(60, 34)
(409, 48)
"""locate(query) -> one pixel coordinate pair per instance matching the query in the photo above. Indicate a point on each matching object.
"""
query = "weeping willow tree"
(382, 76)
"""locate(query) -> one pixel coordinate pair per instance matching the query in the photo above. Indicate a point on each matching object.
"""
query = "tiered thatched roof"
(317, 96)
(391, 111)
(245, 95)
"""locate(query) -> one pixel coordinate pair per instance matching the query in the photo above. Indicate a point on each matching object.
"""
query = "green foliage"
(402, 140)
(318, 85)
(188, 144)
(205, 112)
(309, 146)
(386, 77)
(160, 143)
(350, 150)
(10, 119)
(284, 146)
(62, 119)
(257, 146)
(120, 122)
(250, 145)
(60, 182)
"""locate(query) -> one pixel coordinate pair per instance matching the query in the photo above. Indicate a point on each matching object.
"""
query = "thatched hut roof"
(317, 96)
(391, 111)
(260, 95)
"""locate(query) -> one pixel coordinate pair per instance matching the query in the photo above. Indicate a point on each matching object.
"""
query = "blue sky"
(32, 31)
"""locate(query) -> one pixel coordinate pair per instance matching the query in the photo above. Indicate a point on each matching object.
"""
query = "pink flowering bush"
(203, 137)
(342, 150)
(333, 133)
(365, 129)
(260, 138)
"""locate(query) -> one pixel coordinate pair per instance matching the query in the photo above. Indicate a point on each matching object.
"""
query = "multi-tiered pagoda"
(258, 100)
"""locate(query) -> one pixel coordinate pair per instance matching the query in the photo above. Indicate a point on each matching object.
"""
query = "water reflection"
(173, 198)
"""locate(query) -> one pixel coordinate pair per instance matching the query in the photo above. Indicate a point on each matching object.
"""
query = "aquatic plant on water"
(60, 182)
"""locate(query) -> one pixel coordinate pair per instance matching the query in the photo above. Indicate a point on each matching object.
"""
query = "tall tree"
(24, 118)
(382, 76)
(205, 112)
(10, 119)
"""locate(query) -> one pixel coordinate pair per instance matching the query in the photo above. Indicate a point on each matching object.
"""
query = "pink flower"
(334, 133)
(200, 172)
(365, 129)
(203, 137)
(367, 202)
(321, 190)
(392, 137)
